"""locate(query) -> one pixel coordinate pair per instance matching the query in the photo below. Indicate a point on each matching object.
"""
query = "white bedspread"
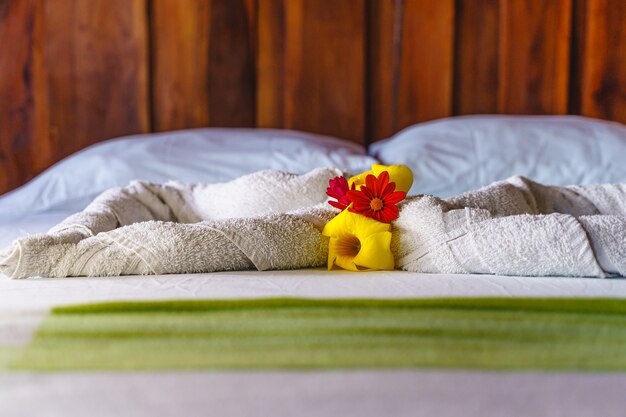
(41, 294)
(356, 393)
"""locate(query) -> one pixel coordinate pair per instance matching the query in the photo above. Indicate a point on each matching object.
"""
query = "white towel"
(272, 220)
(516, 227)
(267, 220)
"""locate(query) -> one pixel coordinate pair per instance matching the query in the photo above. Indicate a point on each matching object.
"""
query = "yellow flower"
(358, 243)
(400, 174)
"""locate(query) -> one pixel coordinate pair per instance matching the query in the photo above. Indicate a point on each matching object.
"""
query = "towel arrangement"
(516, 227)
(273, 220)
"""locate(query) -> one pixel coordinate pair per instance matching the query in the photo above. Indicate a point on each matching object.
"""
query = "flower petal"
(375, 252)
(367, 192)
(363, 226)
(338, 205)
(371, 183)
(335, 258)
(358, 197)
(359, 179)
(390, 188)
(383, 181)
(395, 197)
(389, 213)
(400, 174)
(338, 226)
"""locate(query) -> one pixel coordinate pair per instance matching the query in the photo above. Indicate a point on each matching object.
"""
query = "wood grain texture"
(476, 56)
(311, 66)
(534, 56)
(383, 65)
(96, 55)
(74, 72)
(601, 59)
(425, 75)
(232, 67)
(24, 143)
(180, 63)
(203, 63)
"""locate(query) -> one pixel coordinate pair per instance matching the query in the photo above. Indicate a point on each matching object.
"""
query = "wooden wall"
(75, 72)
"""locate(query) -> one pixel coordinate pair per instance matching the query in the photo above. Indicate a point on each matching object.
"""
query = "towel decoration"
(272, 220)
(360, 235)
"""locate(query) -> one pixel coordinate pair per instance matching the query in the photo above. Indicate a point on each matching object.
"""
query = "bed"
(54, 333)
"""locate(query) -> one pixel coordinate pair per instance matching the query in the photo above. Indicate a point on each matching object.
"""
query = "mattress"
(25, 303)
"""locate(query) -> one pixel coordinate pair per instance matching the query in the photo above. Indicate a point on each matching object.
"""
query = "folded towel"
(516, 227)
(267, 220)
(273, 220)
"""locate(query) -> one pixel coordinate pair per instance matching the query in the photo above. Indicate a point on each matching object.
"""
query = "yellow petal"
(359, 180)
(375, 252)
(349, 230)
(400, 174)
(338, 225)
(337, 256)
(362, 226)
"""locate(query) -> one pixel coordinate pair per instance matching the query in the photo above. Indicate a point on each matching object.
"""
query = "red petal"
(337, 205)
(389, 213)
(368, 192)
(337, 187)
(371, 183)
(394, 197)
(393, 208)
(383, 180)
(390, 188)
(361, 205)
(344, 200)
(358, 197)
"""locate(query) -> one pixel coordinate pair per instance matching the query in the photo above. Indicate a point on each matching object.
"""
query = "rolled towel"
(267, 220)
(272, 220)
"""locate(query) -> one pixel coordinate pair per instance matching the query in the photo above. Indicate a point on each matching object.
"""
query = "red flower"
(377, 198)
(338, 188)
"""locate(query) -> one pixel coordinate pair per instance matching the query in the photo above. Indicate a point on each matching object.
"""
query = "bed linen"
(452, 155)
(192, 155)
(24, 304)
(555, 334)
(273, 220)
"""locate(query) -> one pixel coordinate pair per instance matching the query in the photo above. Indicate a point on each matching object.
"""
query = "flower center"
(348, 245)
(376, 204)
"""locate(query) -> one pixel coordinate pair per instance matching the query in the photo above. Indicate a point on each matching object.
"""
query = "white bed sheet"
(366, 393)
(313, 394)
(41, 294)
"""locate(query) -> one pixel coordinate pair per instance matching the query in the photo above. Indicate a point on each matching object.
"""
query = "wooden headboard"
(75, 72)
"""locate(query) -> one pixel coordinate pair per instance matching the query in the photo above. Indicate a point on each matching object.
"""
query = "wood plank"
(420, 87)
(180, 63)
(97, 63)
(602, 60)
(270, 64)
(383, 65)
(24, 146)
(203, 63)
(534, 56)
(232, 79)
(427, 66)
(311, 66)
(476, 57)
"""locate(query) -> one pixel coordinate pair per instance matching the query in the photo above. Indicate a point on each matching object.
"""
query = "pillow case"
(207, 155)
(457, 154)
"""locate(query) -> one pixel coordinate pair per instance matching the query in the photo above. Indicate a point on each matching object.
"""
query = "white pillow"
(453, 155)
(199, 155)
